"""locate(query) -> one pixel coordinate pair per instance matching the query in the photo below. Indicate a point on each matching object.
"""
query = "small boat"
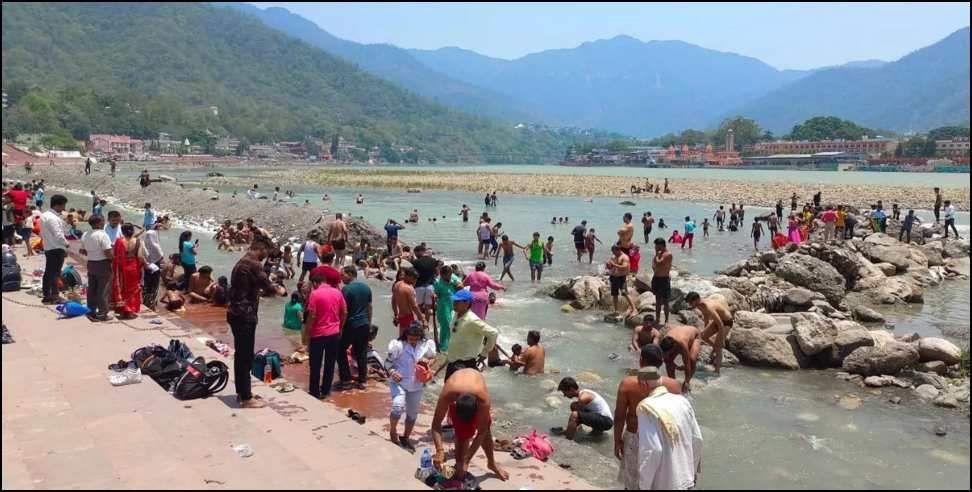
(628, 203)
(414, 190)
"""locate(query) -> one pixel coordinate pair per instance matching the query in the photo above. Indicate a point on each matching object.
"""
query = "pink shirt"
(829, 216)
(479, 281)
(327, 304)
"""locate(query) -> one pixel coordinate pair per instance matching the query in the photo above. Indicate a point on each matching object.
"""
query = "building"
(227, 145)
(874, 147)
(955, 147)
(114, 144)
(295, 148)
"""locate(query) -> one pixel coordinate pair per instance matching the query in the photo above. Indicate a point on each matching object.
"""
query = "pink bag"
(538, 445)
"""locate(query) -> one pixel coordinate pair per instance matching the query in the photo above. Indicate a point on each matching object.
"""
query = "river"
(763, 429)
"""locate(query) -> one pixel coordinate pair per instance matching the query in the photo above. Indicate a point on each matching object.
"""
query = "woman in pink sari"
(479, 282)
(126, 288)
(793, 230)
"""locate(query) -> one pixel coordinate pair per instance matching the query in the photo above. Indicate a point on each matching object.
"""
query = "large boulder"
(811, 273)
(646, 302)
(814, 333)
(938, 349)
(894, 290)
(732, 299)
(841, 257)
(887, 269)
(850, 336)
(607, 302)
(933, 253)
(889, 359)
(867, 315)
(735, 269)
(800, 299)
(562, 291)
(748, 320)
(869, 275)
(586, 292)
(728, 360)
(956, 248)
(763, 349)
(741, 285)
(642, 282)
(690, 317)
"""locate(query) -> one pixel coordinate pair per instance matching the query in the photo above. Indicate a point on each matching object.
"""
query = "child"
(515, 361)
(288, 261)
(661, 224)
(676, 237)
(548, 251)
(705, 228)
(635, 258)
(220, 293)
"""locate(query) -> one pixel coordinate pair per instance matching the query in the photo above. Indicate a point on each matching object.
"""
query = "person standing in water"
(689, 232)
(464, 213)
(338, 237)
(661, 282)
(509, 256)
(757, 232)
(620, 266)
(536, 258)
(589, 245)
(580, 238)
(625, 234)
(647, 222)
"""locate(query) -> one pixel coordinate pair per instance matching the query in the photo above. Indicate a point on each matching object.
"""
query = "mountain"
(622, 84)
(394, 64)
(925, 89)
(872, 63)
(195, 69)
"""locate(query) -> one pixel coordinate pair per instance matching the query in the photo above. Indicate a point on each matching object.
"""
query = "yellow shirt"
(467, 339)
(841, 215)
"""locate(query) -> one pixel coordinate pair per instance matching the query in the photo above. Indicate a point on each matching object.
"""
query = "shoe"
(360, 386)
(253, 403)
(343, 386)
(93, 318)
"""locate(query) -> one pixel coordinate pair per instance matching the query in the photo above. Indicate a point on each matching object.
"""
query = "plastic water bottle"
(267, 373)
(426, 463)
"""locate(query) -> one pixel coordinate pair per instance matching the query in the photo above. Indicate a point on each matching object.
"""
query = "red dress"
(126, 285)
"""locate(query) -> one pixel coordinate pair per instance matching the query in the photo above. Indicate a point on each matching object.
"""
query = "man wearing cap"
(466, 347)
(669, 437)
(630, 393)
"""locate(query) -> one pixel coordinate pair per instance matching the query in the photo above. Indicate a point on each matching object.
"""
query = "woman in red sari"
(126, 289)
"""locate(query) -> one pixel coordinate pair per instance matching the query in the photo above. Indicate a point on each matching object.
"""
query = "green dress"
(443, 308)
(292, 316)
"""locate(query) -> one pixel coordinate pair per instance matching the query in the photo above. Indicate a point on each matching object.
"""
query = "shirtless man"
(532, 360)
(465, 399)
(630, 394)
(681, 340)
(338, 237)
(201, 285)
(661, 282)
(625, 233)
(646, 334)
(647, 222)
(405, 308)
(509, 255)
(718, 322)
(620, 266)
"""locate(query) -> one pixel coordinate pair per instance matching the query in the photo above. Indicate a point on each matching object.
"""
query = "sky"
(784, 35)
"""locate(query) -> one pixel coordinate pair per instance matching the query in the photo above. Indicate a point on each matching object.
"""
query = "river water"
(762, 429)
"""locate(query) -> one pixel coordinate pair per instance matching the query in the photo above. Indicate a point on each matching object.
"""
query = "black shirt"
(425, 266)
(579, 232)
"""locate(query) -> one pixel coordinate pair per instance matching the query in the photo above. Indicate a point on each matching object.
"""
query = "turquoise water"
(763, 429)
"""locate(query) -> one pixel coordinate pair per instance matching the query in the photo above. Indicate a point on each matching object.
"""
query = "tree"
(948, 132)
(746, 131)
(828, 128)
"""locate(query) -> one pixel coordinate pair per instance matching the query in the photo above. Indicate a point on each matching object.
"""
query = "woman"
(793, 230)
(408, 364)
(479, 283)
(294, 313)
(446, 285)
(187, 257)
(126, 290)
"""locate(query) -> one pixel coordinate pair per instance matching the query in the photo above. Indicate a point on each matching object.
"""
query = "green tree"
(828, 128)
(746, 131)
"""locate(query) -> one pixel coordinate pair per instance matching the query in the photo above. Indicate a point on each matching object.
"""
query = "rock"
(877, 381)
(799, 297)
(691, 318)
(586, 292)
(811, 273)
(769, 257)
(563, 291)
(823, 307)
(749, 320)
(940, 431)
(877, 360)
(945, 401)
(552, 401)
(642, 282)
(731, 299)
(927, 392)
(843, 258)
(850, 337)
(893, 290)
(867, 315)
(850, 402)
(734, 270)
(887, 269)
(646, 302)
(869, 275)
(933, 254)
(741, 285)
(929, 378)
(958, 248)
(932, 349)
(614, 318)
(607, 302)
(934, 366)
(566, 308)
(763, 349)
(728, 359)
(881, 248)
(587, 377)
(814, 333)
(548, 385)
(896, 400)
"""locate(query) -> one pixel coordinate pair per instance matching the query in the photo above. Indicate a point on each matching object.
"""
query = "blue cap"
(462, 296)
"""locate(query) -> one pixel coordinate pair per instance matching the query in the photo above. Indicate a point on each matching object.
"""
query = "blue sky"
(785, 35)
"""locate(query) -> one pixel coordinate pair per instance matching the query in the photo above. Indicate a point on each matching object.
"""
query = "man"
(720, 218)
(326, 316)
(630, 394)
(718, 321)
(580, 234)
(308, 256)
(689, 232)
(153, 256)
(647, 222)
(908, 224)
(391, 230)
(113, 229)
(201, 285)
(772, 225)
(816, 200)
(590, 409)
(144, 180)
(950, 219)
(646, 334)
(405, 307)
(248, 282)
(681, 340)
(829, 218)
(532, 360)
(757, 232)
(465, 399)
(338, 237)
(535, 256)
(850, 221)
(619, 266)
(113, 164)
(357, 297)
(99, 206)
(938, 204)
(472, 339)
(55, 248)
(426, 266)
(661, 282)
(9, 221)
(96, 246)
(87, 166)
(779, 210)
(509, 255)
(464, 213)
(669, 437)
(252, 193)
(625, 233)
(39, 197)
(148, 219)
(485, 234)
(793, 202)
(18, 200)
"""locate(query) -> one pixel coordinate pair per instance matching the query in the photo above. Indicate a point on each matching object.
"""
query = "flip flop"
(557, 431)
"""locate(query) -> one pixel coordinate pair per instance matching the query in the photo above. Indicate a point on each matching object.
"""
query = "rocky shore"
(200, 208)
(810, 306)
(697, 190)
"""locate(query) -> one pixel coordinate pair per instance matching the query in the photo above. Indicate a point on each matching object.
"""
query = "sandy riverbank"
(705, 190)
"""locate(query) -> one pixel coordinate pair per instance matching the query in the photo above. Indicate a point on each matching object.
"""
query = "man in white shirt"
(153, 265)
(669, 437)
(55, 248)
(113, 229)
(590, 409)
(950, 219)
(96, 246)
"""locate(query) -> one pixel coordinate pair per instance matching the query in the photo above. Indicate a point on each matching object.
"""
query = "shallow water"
(763, 429)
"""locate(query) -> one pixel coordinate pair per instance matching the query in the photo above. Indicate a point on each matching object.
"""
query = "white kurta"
(664, 465)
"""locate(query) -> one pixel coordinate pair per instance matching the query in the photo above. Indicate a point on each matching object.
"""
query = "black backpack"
(200, 379)
(11, 273)
(156, 362)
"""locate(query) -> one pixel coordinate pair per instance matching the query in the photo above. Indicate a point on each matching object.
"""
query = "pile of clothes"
(533, 444)
(7, 337)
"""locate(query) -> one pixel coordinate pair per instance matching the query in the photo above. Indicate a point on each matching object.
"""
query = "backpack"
(201, 379)
(71, 278)
(260, 360)
(156, 362)
(11, 275)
